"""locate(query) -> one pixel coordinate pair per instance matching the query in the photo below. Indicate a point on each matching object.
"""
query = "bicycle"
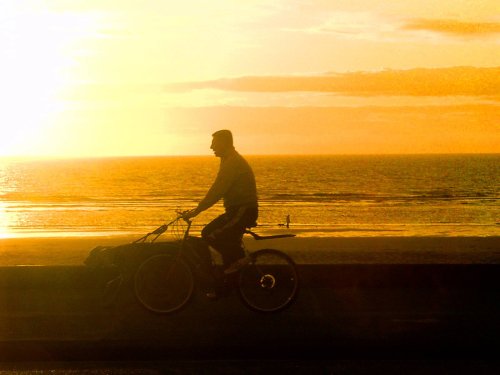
(165, 282)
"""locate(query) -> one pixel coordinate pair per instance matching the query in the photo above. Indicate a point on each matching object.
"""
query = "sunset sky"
(124, 77)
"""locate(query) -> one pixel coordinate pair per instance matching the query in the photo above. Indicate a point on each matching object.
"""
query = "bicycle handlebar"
(163, 228)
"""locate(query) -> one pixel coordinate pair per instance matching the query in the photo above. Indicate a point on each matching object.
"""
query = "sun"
(38, 50)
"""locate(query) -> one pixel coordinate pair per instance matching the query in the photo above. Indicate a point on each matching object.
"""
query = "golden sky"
(125, 77)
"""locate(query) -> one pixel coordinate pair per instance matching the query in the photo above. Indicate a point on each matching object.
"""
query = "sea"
(382, 195)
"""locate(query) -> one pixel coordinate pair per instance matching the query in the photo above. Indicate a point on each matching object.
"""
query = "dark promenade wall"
(343, 310)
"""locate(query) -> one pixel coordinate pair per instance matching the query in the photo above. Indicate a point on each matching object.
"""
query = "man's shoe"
(211, 295)
(238, 265)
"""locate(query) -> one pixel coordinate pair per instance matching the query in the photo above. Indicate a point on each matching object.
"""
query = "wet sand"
(304, 250)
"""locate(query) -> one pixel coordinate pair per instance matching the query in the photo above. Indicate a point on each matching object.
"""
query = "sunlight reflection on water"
(324, 195)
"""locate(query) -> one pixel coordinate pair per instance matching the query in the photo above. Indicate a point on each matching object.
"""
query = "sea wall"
(341, 310)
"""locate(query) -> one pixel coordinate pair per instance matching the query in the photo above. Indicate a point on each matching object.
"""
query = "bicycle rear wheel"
(164, 283)
(270, 281)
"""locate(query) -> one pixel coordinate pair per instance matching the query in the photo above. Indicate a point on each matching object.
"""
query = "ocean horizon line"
(209, 155)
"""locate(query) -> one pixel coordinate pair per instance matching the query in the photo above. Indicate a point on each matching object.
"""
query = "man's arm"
(221, 185)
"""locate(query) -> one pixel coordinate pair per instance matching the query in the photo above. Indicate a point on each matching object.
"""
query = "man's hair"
(225, 135)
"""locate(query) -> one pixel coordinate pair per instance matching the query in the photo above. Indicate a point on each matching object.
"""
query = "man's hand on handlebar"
(187, 215)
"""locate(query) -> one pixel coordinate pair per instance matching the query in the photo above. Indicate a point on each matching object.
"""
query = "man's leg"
(225, 233)
(200, 247)
(221, 238)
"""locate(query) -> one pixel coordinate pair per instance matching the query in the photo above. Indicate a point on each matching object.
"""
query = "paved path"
(343, 311)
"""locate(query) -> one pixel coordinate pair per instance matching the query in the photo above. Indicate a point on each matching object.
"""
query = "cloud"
(453, 27)
(455, 81)
(384, 27)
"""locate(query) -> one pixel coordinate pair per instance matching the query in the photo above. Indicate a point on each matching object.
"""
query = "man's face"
(218, 147)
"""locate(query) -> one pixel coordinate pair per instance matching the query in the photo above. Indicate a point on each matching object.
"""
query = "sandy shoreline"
(307, 250)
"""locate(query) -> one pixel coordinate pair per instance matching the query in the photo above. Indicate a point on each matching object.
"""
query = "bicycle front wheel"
(164, 284)
(270, 281)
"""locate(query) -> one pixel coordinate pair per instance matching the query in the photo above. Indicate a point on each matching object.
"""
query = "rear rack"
(260, 238)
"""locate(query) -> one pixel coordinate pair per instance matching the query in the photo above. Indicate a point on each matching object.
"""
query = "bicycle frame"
(257, 283)
(163, 228)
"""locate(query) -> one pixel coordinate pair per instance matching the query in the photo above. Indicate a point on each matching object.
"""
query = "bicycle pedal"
(113, 284)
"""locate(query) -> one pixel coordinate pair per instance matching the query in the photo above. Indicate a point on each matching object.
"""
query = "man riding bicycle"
(235, 184)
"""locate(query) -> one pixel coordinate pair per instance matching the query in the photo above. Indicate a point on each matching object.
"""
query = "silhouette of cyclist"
(235, 184)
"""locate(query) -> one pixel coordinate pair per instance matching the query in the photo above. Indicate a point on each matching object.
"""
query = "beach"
(53, 251)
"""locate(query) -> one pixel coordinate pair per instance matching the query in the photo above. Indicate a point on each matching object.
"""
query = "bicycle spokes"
(164, 284)
(269, 282)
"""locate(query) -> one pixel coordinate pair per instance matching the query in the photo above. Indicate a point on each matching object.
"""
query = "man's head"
(222, 142)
